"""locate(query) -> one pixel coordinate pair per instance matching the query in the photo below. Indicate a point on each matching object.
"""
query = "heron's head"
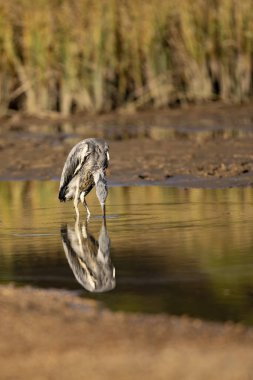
(101, 187)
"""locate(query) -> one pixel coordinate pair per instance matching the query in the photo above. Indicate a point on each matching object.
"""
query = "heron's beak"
(103, 210)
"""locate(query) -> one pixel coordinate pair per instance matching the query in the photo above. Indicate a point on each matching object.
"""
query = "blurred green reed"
(82, 55)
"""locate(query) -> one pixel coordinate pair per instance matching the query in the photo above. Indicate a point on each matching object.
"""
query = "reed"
(95, 56)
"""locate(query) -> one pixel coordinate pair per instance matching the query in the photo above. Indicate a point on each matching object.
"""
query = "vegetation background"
(74, 56)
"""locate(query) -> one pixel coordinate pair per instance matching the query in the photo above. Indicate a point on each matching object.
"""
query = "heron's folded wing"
(75, 161)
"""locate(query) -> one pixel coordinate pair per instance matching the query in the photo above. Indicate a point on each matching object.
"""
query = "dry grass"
(84, 55)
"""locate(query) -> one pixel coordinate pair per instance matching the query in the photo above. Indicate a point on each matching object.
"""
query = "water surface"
(171, 250)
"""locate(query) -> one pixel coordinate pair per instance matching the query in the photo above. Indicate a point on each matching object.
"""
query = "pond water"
(177, 251)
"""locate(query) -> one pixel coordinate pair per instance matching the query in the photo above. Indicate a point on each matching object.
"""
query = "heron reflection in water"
(89, 258)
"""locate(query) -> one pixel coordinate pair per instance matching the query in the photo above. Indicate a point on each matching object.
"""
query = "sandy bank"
(52, 334)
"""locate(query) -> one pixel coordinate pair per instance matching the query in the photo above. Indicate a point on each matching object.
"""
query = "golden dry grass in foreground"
(83, 55)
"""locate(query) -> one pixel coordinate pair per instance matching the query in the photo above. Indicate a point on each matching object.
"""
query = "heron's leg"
(76, 202)
(85, 230)
(87, 209)
(83, 200)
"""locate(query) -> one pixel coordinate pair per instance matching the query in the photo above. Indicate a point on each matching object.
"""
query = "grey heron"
(85, 167)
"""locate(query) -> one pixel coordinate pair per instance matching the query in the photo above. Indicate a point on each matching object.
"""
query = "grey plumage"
(85, 168)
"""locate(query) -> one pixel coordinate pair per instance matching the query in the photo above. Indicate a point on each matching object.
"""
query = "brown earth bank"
(52, 334)
(207, 146)
(56, 335)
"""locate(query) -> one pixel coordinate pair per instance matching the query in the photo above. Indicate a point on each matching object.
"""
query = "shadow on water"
(176, 251)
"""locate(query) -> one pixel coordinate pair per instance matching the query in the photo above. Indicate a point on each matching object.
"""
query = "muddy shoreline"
(208, 146)
(54, 334)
